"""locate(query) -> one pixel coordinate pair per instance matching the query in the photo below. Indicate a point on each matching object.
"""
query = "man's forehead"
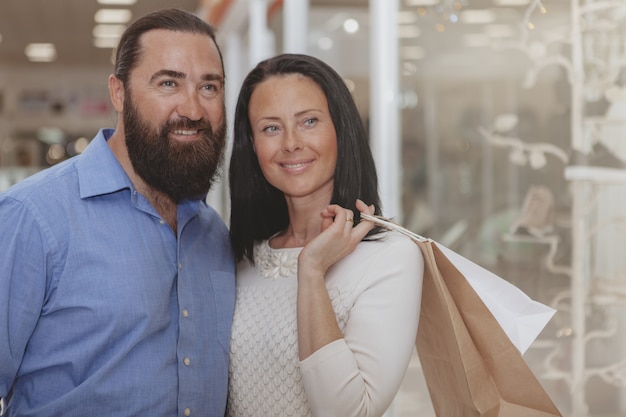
(164, 51)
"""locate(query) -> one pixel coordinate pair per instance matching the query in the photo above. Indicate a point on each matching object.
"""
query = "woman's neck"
(305, 222)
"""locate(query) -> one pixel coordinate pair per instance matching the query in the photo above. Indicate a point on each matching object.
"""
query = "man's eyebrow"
(213, 77)
(167, 73)
(182, 75)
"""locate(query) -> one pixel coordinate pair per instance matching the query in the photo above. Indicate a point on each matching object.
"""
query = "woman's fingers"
(339, 236)
(344, 219)
(338, 214)
(364, 208)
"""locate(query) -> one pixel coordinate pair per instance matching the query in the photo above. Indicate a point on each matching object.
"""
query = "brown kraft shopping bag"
(470, 366)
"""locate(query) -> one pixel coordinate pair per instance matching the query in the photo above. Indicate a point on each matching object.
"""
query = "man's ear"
(116, 93)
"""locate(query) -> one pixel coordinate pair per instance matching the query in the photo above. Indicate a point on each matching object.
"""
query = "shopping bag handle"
(388, 224)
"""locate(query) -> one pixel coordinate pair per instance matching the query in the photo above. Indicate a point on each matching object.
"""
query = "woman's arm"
(360, 374)
(317, 325)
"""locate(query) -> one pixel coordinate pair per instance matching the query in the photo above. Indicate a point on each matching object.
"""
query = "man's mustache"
(186, 124)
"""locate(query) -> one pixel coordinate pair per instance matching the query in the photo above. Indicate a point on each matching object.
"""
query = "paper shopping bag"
(521, 318)
(471, 367)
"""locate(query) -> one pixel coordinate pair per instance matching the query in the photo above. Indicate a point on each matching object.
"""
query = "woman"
(327, 306)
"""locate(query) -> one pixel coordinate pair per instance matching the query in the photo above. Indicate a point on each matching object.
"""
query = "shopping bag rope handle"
(384, 222)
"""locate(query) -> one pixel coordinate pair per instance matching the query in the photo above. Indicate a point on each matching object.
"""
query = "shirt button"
(161, 221)
(187, 412)
(180, 265)
(187, 361)
(185, 313)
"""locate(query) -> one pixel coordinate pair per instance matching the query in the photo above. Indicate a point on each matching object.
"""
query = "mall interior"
(496, 126)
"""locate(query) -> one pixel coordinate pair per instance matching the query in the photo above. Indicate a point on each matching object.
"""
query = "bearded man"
(116, 278)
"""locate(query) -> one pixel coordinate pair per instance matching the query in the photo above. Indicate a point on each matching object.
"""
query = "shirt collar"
(99, 171)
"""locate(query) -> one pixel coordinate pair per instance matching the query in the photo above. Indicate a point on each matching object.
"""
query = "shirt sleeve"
(360, 374)
(22, 285)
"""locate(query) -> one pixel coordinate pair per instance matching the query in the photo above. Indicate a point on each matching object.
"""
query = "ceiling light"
(0, 37)
(113, 16)
(406, 18)
(105, 42)
(411, 53)
(41, 52)
(422, 2)
(408, 32)
(499, 31)
(511, 2)
(117, 2)
(477, 16)
(351, 25)
(108, 31)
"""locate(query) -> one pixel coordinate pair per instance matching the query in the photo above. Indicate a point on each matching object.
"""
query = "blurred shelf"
(596, 174)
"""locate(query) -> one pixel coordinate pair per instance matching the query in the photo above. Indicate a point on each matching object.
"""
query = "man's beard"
(180, 170)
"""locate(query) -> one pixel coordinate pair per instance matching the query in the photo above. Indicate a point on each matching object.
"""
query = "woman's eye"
(270, 129)
(310, 122)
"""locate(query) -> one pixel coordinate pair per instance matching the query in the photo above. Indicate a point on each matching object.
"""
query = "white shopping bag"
(521, 317)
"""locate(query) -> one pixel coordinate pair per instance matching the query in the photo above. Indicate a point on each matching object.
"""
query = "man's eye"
(168, 83)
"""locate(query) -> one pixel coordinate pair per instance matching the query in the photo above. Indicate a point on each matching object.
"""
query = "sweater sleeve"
(360, 374)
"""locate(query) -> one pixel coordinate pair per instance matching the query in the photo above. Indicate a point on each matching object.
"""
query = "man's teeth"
(185, 132)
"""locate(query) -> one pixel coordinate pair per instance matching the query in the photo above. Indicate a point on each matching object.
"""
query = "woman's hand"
(317, 325)
(337, 239)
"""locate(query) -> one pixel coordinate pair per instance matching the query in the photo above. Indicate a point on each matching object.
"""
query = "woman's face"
(294, 136)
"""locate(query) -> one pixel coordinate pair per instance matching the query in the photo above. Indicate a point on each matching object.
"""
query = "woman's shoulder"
(390, 242)
(386, 250)
(391, 258)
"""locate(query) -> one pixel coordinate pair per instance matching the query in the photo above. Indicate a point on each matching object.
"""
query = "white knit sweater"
(375, 292)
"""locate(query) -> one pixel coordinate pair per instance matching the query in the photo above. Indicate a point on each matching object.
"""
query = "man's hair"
(259, 210)
(129, 48)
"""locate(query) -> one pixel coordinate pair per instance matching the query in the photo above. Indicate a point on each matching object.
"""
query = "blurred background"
(498, 127)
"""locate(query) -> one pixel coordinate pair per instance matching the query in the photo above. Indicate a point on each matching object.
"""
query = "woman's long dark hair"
(259, 210)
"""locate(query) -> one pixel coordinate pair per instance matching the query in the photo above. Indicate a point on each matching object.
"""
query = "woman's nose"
(292, 141)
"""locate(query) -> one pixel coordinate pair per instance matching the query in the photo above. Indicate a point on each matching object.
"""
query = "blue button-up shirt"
(103, 310)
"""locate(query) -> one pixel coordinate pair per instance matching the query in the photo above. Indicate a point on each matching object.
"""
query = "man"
(116, 279)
